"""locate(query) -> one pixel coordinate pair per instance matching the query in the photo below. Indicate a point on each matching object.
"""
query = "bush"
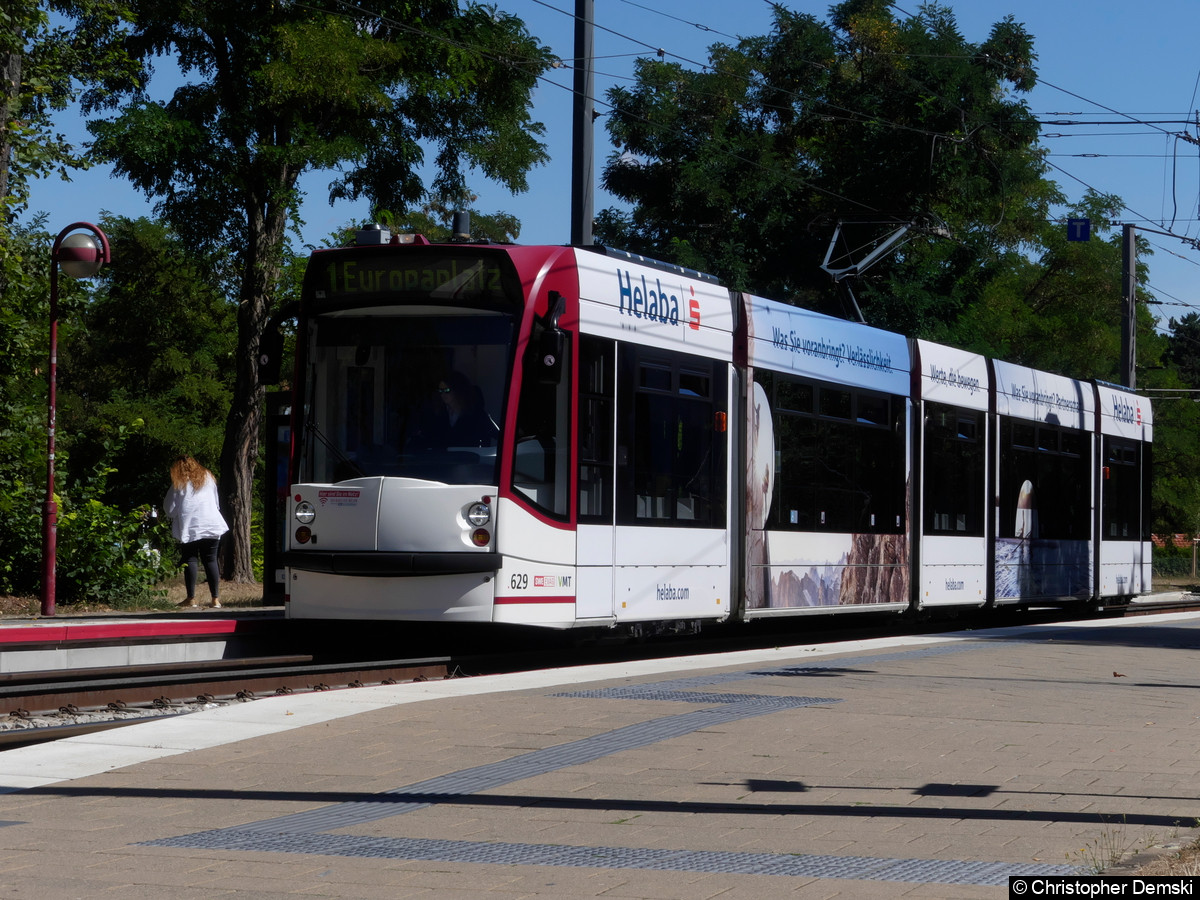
(104, 554)
(20, 534)
(1171, 565)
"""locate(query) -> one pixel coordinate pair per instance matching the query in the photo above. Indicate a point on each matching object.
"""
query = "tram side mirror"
(548, 343)
(270, 357)
(270, 347)
(549, 352)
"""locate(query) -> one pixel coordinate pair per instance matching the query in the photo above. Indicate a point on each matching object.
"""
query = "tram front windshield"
(398, 391)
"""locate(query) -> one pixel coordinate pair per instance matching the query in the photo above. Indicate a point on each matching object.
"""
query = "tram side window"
(541, 451)
(841, 458)
(596, 401)
(1147, 470)
(670, 450)
(954, 469)
(1056, 463)
(1122, 488)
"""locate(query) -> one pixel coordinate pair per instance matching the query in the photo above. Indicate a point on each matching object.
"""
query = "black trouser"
(199, 552)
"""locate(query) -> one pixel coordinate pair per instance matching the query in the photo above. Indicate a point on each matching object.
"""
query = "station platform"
(157, 638)
(928, 766)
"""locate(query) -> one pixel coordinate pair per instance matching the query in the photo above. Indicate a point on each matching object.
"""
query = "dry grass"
(1184, 862)
(1161, 862)
(233, 595)
(1114, 852)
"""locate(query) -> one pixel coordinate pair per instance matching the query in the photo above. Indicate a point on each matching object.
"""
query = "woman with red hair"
(194, 509)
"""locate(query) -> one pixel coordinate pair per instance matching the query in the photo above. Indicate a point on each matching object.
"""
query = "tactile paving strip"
(917, 871)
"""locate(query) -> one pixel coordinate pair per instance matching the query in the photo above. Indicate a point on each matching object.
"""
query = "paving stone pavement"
(921, 767)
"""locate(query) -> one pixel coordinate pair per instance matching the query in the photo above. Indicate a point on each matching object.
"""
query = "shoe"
(216, 604)
(188, 604)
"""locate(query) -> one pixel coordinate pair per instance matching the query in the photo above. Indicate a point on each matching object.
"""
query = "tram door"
(653, 539)
(596, 439)
(653, 449)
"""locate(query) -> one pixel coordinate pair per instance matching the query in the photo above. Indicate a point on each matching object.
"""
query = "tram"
(570, 437)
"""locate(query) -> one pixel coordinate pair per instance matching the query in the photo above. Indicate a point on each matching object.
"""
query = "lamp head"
(80, 255)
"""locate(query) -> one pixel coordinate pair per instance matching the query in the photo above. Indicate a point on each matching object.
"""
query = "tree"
(1061, 309)
(1183, 348)
(42, 68)
(1176, 424)
(434, 220)
(277, 89)
(23, 342)
(742, 169)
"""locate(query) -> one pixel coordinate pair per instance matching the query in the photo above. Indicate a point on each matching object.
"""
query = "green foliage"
(20, 518)
(1060, 311)
(1176, 424)
(1183, 348)
(24, 345)
(47, 64)
(106, 555)
(434, 220)
(282, 88)
(124, 407)
(24, 332)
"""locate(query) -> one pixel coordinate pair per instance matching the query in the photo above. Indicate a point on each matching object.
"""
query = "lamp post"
(81, 256)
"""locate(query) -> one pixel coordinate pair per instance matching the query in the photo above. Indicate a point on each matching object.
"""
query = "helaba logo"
(1125, 411)
(645, 300)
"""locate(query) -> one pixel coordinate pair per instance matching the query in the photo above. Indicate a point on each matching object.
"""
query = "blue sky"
(1131, 64)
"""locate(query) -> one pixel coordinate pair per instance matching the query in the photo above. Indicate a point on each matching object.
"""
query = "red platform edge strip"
(107, 631)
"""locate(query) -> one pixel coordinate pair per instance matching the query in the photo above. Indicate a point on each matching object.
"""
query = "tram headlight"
(305, 512)
(479, 514)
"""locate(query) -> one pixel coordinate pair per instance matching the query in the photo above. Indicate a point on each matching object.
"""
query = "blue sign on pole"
(1079, 229)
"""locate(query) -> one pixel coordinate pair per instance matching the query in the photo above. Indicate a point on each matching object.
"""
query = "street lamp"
(81, 256)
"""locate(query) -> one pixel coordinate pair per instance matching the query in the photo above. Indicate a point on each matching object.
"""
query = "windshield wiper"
(334, 449)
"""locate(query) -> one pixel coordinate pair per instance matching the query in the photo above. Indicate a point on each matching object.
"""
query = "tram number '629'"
(519, 582)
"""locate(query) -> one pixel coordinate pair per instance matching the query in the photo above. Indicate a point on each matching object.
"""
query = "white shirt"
(195, 515)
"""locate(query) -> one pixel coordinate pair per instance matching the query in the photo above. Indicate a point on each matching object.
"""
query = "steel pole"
(82, 259)
(1129, 307)
(50, 535)
(583, 127)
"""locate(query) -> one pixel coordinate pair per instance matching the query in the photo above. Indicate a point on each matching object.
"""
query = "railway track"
(42, 706)
(45, 706)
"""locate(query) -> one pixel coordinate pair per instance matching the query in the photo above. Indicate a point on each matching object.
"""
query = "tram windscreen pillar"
(276, 485)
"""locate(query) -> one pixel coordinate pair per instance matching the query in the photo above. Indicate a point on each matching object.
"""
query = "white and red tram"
(567, 437)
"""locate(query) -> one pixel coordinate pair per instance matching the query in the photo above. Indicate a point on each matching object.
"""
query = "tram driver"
(466, 423)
